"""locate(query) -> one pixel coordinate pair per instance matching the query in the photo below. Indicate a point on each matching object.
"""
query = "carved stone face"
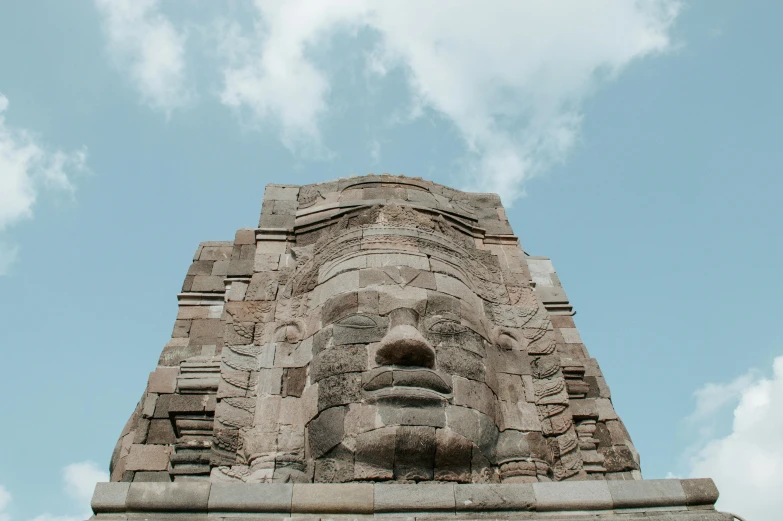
(406, 370)
(402, 375)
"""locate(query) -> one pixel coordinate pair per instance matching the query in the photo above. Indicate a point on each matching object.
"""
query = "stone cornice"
(678, 499)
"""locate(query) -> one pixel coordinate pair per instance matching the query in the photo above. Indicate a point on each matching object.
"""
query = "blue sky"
(638, 144)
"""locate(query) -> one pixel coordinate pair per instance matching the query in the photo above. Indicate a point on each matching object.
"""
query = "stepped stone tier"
(380, 345)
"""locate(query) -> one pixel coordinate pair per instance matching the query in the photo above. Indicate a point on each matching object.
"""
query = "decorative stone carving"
(388, 331)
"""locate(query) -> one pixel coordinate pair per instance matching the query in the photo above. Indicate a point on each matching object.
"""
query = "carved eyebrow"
(447, 326)
(357, 321)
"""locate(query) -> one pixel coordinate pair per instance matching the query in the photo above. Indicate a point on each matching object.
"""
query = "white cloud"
(509, 75)
(146, 43)
(747, 464)
(50, 517)
(26, 168)
(79, 481)
(5, 499)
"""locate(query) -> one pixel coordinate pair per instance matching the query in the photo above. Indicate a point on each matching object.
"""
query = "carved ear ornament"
(508, 339)
(291, 331)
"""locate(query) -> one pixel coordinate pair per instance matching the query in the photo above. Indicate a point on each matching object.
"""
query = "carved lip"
(398, 383)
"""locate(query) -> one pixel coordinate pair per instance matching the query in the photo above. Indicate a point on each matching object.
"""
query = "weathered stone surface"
(452, 456)
(486, 497)
(647, 493)
(326, 430)
(109, 497)
(375, 454)
(382, 328)
(345, 359)
(250, 497)
(160, 432)
(337, 466)
(339, 390)
(332, 498)
(415, 453)
(168, 497)
(414, 498)
(572, 495)
(148, 457)
(699, 491)
(163, 380)
(294, 380)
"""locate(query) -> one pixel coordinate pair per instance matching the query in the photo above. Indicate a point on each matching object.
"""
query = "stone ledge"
(382, 498)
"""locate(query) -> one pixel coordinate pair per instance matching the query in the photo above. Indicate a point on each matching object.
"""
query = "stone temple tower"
(380, 345)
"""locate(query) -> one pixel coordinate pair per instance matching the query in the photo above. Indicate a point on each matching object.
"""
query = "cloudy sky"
(637, 143)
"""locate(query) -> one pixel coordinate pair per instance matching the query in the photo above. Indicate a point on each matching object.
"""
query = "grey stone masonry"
(688, 499)
(380, 346)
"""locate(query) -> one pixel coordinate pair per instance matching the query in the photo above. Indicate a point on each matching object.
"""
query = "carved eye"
(358, 322)
(447, 327)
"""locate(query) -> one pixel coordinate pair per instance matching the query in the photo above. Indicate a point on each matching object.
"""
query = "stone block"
(208, 284)
(216, 251)
(493, 497)
(161, 432)
(572, 495)
(605, 409)
(294, 380)
(475, 395)
(275, 192)
(700, 491)
(326, 431)
(339, 390)
(181, 329)
(430, 416)
(163, 380)
(414, 456)
(562, 321)
(201, 268)
(339, 306)
(266, 261)
(251, 497)
(551, 295)
(237, 291)
(148, 457)
(263, 286)
(452, 456)
(148, 410)
(647, 493)
(272, 246)
(414, 498)
(570, 335)
(332, 498)
(359, 330)
(187, 283)
(245, 236)
(345, 359)
(206, 329)
(241, 268)
(220, 268)
(109, 497)
(294, 355)
(375, 454)
(277, 221)
(145, 476)
(192, 496)
(395, 297)
(335, 467)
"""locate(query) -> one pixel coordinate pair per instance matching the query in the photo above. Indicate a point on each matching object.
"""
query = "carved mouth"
(392, 383)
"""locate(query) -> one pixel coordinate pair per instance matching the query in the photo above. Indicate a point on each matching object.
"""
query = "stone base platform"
(648, 500)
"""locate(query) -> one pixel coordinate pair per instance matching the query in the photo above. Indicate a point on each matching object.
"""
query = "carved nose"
(403, 344)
